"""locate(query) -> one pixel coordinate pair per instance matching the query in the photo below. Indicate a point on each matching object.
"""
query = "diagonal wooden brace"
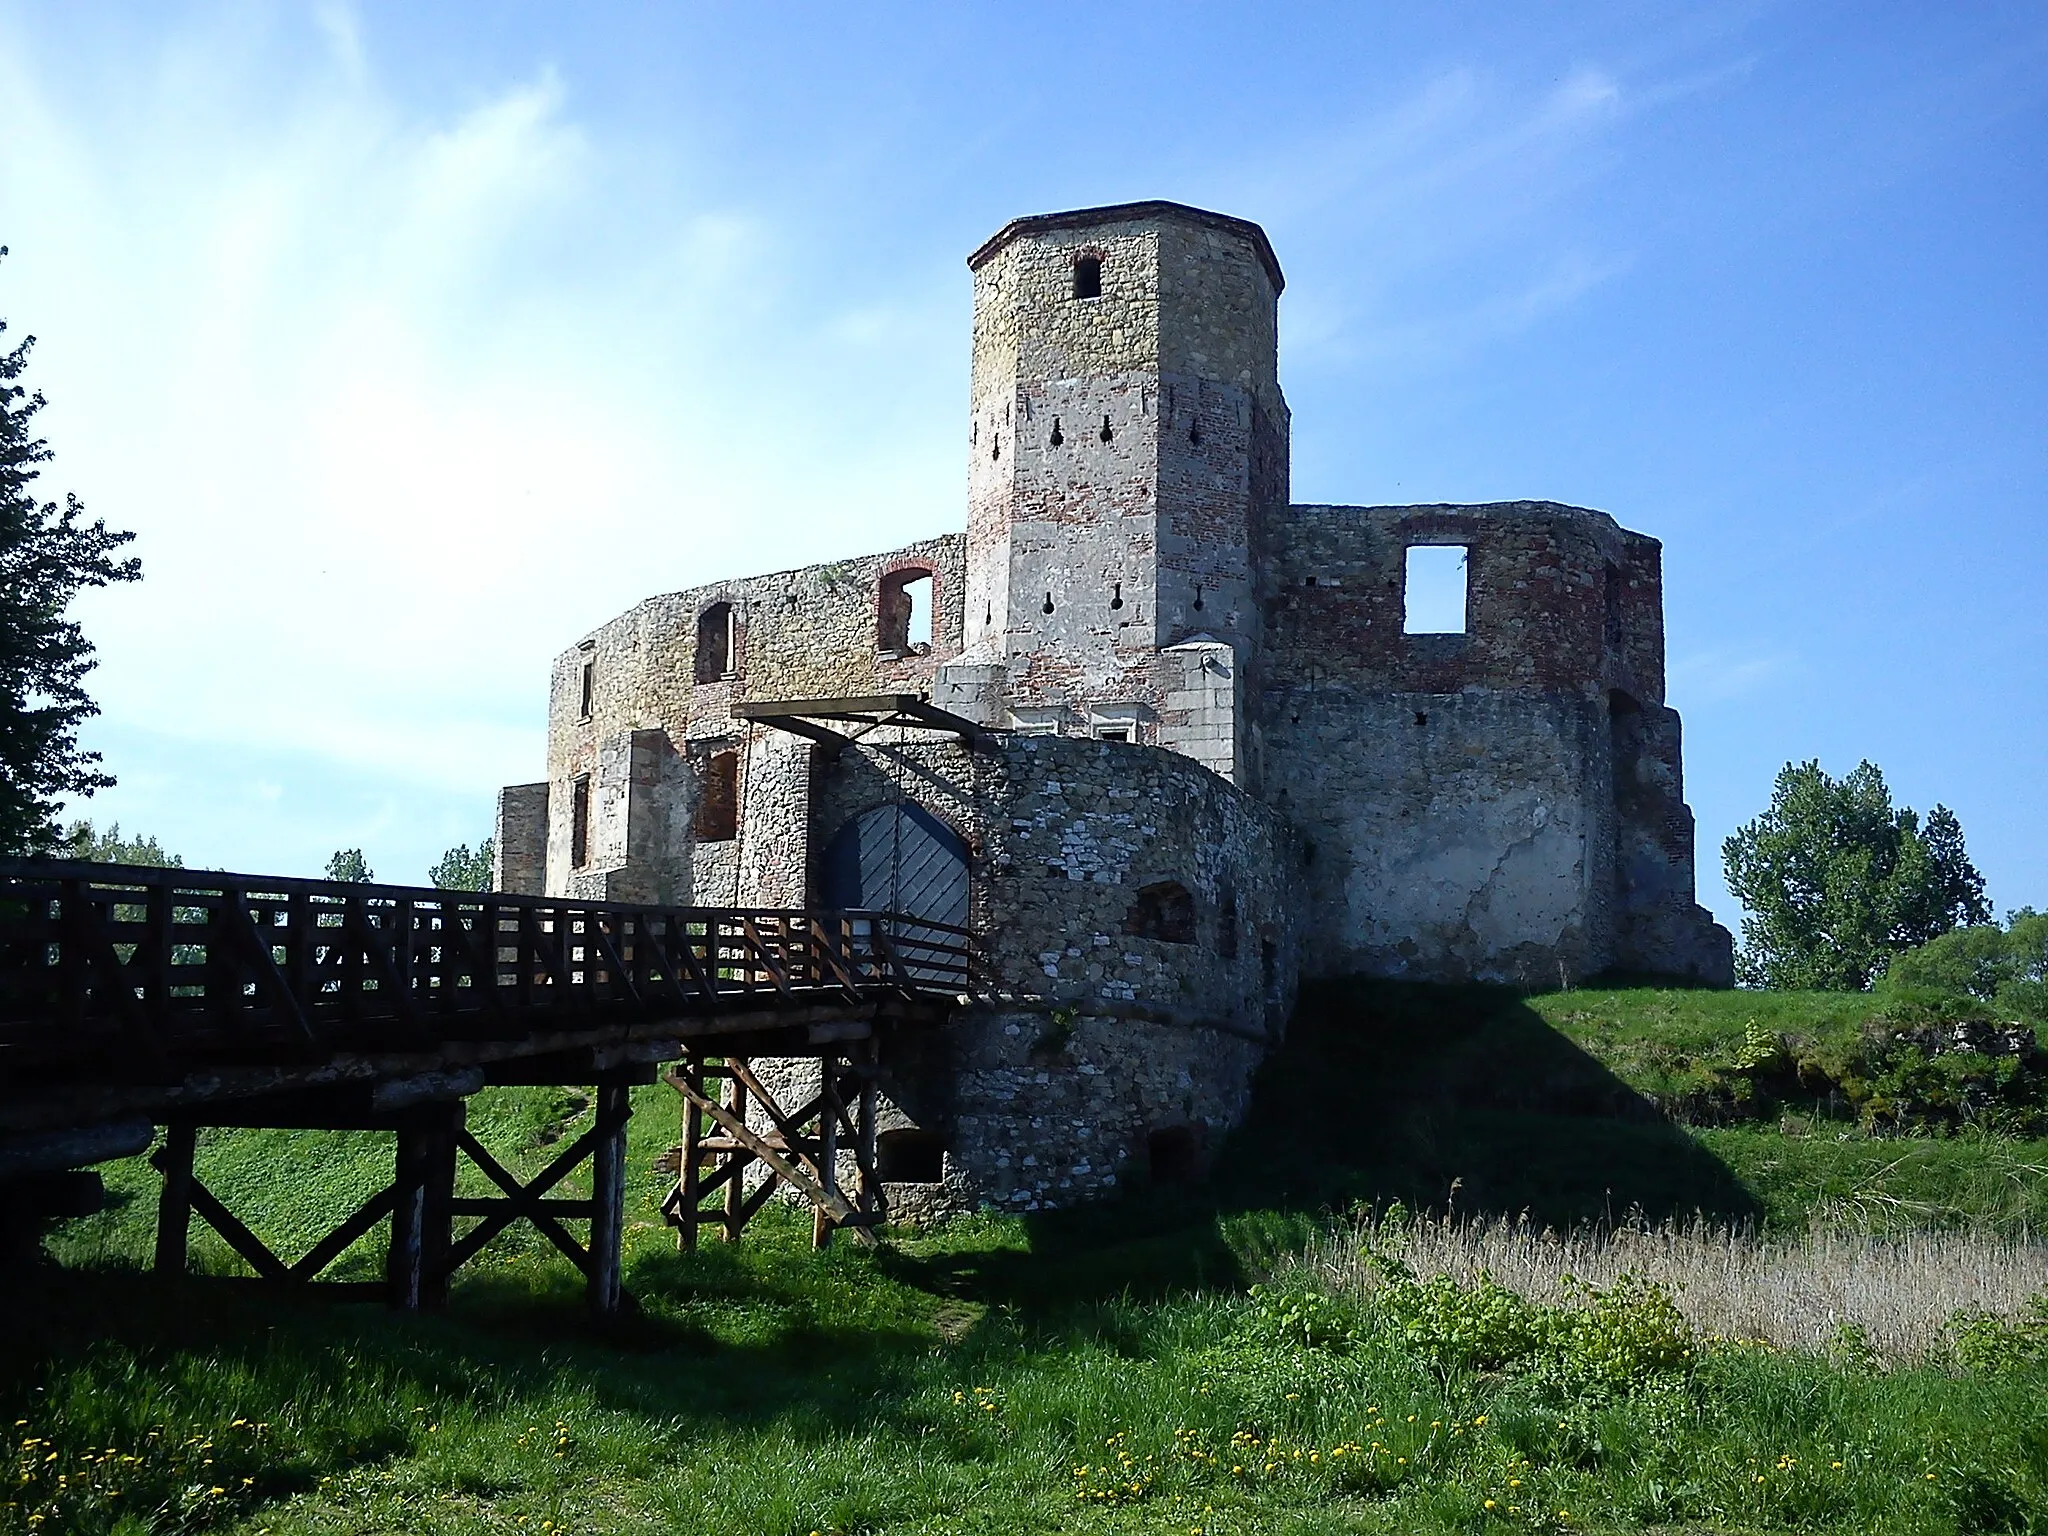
(836, 1206)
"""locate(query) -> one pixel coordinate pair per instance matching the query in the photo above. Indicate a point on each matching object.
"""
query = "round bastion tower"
(1127, 445)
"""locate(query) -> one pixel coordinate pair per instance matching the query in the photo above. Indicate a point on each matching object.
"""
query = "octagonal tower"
(1127, 445)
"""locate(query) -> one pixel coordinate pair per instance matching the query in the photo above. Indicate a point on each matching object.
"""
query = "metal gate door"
(898, 858)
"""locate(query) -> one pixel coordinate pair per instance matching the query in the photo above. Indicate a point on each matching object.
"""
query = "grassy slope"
(1485, 1101)
(765, 1389)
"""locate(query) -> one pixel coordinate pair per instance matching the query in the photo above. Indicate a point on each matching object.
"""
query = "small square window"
(1433, 602)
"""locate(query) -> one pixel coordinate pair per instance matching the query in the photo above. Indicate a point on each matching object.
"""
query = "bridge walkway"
(132, 998)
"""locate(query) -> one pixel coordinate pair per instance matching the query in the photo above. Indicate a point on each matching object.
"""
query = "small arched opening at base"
(910, 1156)
(1173, 1155)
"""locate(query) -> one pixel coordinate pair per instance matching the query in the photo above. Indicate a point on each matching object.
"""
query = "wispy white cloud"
(399, 403)
(342, 29)
(1718, 676)
(1467, 169)
(1454, 211)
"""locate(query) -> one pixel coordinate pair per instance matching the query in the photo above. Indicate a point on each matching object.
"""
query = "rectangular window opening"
(716, 651)
(579, 825)
(589, 690)
(717, 817)
(905, 619)
(920, 594)
(1434, 597)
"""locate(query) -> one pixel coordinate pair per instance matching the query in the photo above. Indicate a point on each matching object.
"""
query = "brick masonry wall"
(519, 841)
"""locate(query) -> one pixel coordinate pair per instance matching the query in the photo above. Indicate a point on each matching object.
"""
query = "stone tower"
(1127, 446)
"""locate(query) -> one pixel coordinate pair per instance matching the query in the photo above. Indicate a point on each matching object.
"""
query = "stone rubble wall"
(1336, 795)
(1086, 1041)
(805, 633)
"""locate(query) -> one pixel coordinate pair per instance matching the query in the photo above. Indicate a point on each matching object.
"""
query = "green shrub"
(1607, 1343)
(1988, 1342)
(2004, 967)
(1303, 1319)
(1480, 1327)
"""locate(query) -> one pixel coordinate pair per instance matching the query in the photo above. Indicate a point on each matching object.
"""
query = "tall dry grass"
(1795, 1292)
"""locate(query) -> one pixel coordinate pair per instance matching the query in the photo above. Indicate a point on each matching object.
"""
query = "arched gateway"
(897, 858)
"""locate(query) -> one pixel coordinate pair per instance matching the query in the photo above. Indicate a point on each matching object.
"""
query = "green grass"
(1669, 1042)
(958, 1381)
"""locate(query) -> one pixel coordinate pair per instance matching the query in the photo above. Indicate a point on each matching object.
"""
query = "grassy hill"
(1104, 1370)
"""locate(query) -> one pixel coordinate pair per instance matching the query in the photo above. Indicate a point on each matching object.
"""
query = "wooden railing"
(141, 972)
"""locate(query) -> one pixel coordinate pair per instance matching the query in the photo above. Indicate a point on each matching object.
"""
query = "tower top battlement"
(1129, 213)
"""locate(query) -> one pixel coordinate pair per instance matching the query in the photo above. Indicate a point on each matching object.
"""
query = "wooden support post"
(443, 1124)
(822, 1225)
(174, 1203)
(785, 1163)
(735, 1188)
(874, 1200)
(405, 1259)
(688, 1174)
(608, 1196)
(422, 1216)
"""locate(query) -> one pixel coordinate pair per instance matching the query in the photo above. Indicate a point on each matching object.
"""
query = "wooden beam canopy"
(866, 712)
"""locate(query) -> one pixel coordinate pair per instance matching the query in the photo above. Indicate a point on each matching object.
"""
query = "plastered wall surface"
(1523, 817)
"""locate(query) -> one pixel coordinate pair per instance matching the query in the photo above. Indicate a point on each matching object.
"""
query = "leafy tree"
(47, 556)
(348, 864)
(2006, 967)
(1836, 881)
(83, 841)
(460, 870)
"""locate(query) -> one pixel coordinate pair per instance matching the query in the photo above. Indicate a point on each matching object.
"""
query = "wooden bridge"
(132, 998)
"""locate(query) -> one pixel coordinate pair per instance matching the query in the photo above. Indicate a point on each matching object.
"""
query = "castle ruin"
(1171, 742)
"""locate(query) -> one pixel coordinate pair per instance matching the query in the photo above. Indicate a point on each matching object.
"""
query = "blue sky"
(413, 341)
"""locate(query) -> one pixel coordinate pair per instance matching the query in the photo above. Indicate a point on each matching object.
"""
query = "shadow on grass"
(1439, 1097)
(736, 1337)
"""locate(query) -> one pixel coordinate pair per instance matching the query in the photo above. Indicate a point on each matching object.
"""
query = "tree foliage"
(48, 555)
(1836, 880)
(461, 870)
(2005, 967)
(349, 864)
(84, 841)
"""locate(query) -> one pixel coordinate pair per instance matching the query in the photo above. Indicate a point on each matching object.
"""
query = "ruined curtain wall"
(1503, 803)
(640, 712)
